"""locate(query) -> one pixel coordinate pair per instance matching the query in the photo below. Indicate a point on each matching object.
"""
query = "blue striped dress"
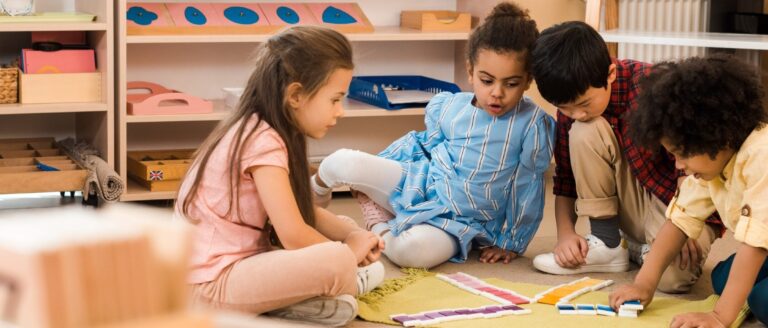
(476, 176)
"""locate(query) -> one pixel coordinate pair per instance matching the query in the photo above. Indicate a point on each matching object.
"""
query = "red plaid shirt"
(656, 172)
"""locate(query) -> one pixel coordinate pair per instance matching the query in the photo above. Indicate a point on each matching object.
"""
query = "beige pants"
(606, 188)
(279, 278)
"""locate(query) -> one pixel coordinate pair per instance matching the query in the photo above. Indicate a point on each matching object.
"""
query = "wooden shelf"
(35, 27)
(355, 108)
(14, 109)
(381, 33)
(135, 192)
(220, 111)
(695, 39)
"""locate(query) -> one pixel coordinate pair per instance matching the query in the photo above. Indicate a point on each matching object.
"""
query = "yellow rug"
(421, 291)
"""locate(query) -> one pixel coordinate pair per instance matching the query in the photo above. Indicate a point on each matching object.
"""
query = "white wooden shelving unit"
(203, 64)
(92, 122)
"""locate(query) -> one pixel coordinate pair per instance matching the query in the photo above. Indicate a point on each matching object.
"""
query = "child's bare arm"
(281, 207)
(331, 226)
(666, 246)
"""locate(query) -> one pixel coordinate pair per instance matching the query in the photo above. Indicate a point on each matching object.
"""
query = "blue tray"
(370, 89)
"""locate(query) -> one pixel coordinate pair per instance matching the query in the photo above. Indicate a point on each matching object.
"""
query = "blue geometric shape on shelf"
(141, 16)
(241, 15)
(333, 15)
(195, 16)
(288, 15)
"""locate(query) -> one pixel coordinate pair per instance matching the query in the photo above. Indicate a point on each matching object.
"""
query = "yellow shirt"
(740, 195)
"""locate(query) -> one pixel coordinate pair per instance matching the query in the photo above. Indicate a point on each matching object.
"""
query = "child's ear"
(469, 71)
(294, 95)
(611, 74)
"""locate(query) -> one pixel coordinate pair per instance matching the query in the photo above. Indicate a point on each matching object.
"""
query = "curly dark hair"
(702, 105)
(507, 28)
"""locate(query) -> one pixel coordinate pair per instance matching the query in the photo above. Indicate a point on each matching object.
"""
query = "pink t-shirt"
(222, 238)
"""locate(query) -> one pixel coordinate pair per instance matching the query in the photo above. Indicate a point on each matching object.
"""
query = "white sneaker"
(637, 251)
(369, 277)
(326, 311)
(599, 259)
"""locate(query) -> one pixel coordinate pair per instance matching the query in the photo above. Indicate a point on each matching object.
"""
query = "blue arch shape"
(195, 16)
(241, 15)
(333, 15)
(288, 15)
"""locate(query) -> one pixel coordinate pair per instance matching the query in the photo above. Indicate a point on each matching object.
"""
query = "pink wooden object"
(220, 7)
(177, 13)
(317, 10)
(305, 16)
(163, 101)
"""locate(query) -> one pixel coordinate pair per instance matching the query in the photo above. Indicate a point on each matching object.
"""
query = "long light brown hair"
(307, 55)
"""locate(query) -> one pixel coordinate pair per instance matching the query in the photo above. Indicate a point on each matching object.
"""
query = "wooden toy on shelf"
(285, 14)
(159, 170)
(344, 17)
(436, 20)
(241, 18)
(9, 85)
(163, 101)
(37, 165)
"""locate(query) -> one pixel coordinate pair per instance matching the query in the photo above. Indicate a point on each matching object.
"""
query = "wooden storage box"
(159, 170)
(436, 20)
(9, 85)
(59, 88)
(19, 172)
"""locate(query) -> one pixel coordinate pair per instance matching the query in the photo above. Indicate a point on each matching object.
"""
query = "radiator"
(662, 15)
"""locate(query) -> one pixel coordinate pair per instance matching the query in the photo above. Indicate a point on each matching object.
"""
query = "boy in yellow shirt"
(708, 113)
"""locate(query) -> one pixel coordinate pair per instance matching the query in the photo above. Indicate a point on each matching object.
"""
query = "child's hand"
(628, 293)
(571, 250)
(375, 253)
(697, 319)
(493, 254)
(363, 243)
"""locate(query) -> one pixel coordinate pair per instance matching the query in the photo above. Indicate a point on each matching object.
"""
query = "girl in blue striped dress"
(476, 174)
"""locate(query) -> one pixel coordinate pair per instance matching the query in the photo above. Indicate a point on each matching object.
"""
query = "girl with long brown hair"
(250, 179)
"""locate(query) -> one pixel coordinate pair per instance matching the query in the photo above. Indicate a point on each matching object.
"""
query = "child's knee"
(341, 163)
(678, 281)
(409, 252)
(586, 133)
(334, 266)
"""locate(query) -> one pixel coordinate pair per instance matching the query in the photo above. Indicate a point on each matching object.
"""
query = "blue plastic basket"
(370, 89)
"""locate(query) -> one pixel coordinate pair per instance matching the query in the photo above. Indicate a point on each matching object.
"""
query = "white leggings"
(421, 246)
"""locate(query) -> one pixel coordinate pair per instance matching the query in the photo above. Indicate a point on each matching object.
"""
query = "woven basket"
(9, 85)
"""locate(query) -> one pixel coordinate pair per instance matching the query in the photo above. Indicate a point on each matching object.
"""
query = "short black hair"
(568, 59)
(507, 28)
(701, 105)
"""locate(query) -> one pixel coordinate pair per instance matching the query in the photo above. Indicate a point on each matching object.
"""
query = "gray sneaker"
(637, 251)
(327, 311)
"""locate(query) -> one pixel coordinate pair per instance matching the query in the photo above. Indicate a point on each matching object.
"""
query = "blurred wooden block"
(436, 20)
(70, 270)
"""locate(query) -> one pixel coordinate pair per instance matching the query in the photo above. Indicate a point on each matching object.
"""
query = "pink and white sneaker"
(372, 212)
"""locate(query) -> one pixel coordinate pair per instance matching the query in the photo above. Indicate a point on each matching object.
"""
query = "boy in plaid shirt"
(601, 175)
